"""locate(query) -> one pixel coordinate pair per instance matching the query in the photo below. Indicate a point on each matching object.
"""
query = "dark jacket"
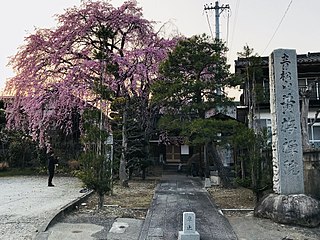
(52, 161)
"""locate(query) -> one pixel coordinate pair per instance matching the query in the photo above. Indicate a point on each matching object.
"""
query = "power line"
(227, 38)
(275, 32)
(234, 25)
(209, 25)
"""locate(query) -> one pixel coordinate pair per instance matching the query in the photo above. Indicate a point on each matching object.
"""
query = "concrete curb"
(42, 234)
(146, 223)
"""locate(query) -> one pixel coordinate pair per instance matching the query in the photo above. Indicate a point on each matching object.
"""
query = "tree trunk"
(101, 200)
(206, 161)
(123, 175)
(304, 121)
(305, 98)
(143, 173)
(146, 148)
(254, 178)
(243, 175)
(200, 170)
(213, 153)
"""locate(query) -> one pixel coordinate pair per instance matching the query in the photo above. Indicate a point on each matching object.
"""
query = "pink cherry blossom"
(57, 69)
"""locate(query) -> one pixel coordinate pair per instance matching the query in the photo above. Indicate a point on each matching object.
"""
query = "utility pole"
(218, 10)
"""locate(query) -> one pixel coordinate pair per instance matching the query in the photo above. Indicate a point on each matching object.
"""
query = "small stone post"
(189, 227)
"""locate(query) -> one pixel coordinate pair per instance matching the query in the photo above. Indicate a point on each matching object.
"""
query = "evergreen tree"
(192, 81)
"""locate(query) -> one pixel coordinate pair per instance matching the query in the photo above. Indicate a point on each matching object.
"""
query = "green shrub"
(246, 182)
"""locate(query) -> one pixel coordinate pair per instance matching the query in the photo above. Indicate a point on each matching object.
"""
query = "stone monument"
(289, 204)
(285, 119)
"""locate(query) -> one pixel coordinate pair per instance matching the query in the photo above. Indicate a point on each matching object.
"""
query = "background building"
(254, 101)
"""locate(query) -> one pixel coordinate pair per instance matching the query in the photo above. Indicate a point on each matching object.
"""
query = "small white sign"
(189, 222)
(184, 149)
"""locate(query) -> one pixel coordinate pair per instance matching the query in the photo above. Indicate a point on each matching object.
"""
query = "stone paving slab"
(71, 231)
(175, 195)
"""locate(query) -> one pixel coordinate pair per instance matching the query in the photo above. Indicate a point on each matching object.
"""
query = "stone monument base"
(298, 209)
(188, 236)
(207, 182)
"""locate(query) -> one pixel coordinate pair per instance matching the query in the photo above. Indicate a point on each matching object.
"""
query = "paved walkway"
(177, 194)
(27, 204)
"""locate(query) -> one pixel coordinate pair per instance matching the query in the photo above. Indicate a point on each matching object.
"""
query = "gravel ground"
(27, 203)
(247, 226)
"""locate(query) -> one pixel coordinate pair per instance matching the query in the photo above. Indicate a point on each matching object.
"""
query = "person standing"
(52, 161)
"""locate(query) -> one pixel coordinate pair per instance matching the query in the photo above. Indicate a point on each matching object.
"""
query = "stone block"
(215, 180)
(188, 236)
(189, 227)
(297, 209)
(207, 182)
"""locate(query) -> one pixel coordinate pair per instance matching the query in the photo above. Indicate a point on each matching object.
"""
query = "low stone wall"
(311, 160)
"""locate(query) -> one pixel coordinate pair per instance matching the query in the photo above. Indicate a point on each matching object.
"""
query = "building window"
(314, 133)
(172, 153)
(305, 82)
(184, 149)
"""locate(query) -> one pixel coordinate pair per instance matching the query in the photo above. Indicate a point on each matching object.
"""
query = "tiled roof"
(301, 58)
(308, 58)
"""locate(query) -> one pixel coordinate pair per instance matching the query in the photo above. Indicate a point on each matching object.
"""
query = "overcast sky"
(252, 22)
